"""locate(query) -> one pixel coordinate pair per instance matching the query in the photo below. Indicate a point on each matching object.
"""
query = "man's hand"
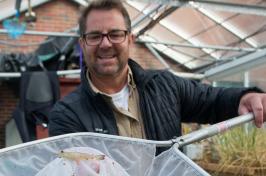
(255, 103)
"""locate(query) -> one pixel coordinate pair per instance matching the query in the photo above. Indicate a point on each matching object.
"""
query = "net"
(134, 157)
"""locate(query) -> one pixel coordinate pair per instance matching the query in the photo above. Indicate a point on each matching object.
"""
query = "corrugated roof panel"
(248, 24)
(180, 58)
(133, 12)
(194, 52)
(261, 39)
(187, 22)
(160, 33)
(231, 54)
(216, 36)
(247, 2)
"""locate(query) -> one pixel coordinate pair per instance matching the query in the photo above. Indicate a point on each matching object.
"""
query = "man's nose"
(105, 42)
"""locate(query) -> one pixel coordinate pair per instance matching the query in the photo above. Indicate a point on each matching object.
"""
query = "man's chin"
(107, 72)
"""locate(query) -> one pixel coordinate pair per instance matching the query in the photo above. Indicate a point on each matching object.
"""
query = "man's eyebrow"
(116, 29)
(97, 32)
(94, 32)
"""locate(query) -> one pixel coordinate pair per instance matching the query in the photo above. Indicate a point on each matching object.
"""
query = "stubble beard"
(109, 70)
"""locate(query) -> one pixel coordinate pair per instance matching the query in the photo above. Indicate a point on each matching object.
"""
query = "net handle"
(212, 130)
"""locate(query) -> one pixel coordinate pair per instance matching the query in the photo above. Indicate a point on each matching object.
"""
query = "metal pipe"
(138, 21)
(215, 5)
(179, 142)
(229, 7)
(246, 79)
(241, 64)
(63, 34)
(18, 74)
(44, 33)
(71, 72)
(157, 55)
(218, 47)
(212, 130)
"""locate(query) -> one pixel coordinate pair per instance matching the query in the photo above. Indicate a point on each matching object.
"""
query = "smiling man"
(106, 43)
(117, 96)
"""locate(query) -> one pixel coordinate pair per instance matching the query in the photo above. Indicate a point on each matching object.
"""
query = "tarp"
(56, 53)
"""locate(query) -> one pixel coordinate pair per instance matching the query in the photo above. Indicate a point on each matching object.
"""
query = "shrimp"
(77, 156)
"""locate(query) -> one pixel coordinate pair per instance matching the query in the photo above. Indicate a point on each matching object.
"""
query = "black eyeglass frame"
(105, 35)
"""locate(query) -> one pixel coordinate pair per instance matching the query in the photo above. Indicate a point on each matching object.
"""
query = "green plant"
(243, 147)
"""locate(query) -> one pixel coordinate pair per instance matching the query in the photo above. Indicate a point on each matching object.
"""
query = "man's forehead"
(106, 13)
(105, 20)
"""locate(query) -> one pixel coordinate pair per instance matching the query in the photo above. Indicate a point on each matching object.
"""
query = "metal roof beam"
(217, 47)
(157, 55)
(230, 7)
(154, 22)
(139, 20)
(44, 33)
(64, 34)
(216, 5)
(77, 72)
(241, 64)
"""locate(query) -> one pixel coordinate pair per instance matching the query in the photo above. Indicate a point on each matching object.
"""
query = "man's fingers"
(243, 110)
(257, 109)
(264, 110)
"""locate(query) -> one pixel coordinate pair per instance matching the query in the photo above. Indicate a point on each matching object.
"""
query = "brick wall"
(54, 16)
(142, 56)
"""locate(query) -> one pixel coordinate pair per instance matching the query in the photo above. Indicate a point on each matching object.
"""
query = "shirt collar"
(130, 82)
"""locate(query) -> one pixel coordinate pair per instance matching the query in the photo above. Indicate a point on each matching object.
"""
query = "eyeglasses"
(114, 36)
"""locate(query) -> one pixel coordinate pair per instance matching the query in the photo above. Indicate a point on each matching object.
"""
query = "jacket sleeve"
(203, 103)
(63, 121)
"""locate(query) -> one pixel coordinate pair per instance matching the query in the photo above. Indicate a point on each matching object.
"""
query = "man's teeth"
(106, 56)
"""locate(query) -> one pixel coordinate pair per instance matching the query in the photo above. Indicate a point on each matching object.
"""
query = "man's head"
(105, 30)
(104, 5)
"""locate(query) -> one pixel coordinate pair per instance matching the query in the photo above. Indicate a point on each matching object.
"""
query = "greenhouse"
(132, 87)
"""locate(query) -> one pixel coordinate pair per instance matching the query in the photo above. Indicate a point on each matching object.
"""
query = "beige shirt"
(129, 122)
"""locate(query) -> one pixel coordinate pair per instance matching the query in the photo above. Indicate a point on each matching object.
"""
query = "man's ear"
(132, 38)
(81, 43)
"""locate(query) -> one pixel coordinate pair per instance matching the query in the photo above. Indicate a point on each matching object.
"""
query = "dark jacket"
(165, 101)
(38, 93)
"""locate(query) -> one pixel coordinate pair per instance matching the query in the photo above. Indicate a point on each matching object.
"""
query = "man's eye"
(93, 36)
(116, 34)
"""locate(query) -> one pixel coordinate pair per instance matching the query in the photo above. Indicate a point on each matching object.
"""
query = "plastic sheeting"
(136, 156)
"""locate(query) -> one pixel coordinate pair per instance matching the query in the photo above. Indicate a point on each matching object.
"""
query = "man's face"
(106, 58)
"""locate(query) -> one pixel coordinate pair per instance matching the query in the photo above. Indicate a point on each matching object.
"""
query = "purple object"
(80, 57)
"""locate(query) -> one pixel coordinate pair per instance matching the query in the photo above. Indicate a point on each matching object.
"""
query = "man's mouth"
(106, 56)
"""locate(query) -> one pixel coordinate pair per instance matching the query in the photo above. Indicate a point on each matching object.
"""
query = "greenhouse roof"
(198, 35)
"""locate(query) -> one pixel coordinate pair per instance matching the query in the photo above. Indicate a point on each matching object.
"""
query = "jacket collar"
(141, 76)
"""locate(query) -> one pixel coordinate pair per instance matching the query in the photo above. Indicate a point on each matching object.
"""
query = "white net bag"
(89, 154)
(135, 156)
(82, 161)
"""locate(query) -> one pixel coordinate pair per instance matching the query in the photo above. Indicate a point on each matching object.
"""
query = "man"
(117, 96)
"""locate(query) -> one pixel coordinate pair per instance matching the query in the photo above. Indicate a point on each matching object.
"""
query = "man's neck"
(110, 84)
